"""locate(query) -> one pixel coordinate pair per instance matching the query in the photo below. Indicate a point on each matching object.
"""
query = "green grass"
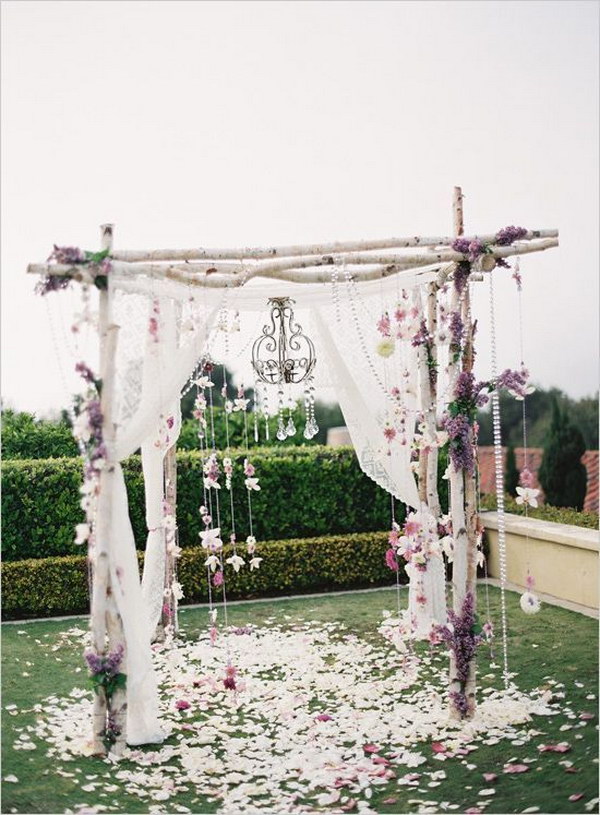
(555, 643)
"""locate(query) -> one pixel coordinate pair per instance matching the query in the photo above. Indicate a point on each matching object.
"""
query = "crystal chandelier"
(284, 355)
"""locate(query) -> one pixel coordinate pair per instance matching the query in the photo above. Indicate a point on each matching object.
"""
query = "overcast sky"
(200, 123)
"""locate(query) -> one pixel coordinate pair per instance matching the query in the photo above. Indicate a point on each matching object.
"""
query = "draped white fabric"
(152, 368)
(154, 450)
(164, 370)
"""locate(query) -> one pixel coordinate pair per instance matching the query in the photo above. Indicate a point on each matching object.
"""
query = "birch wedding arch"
(389, 325)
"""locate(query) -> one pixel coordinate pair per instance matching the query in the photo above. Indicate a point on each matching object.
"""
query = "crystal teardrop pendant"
(291, 427)
(307, 431)
(281, 431)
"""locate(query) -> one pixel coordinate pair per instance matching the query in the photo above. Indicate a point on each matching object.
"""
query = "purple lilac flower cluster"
(52, 282)
(461, 451)
(67, 255)
(422, 335)
(462, 641)
(510, 234)
(514, 381)
(457, 329)
(108, 665)
(473, 249)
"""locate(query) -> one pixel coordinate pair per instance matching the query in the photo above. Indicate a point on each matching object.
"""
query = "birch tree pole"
(463, 508)
(109, 716)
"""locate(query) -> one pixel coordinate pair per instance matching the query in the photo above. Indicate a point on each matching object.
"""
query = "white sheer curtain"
(134, 427)
(154, 450)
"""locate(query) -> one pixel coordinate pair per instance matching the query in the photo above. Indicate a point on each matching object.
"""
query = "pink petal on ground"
(349, 806)
(516, 768)
(561, 747)
(323, 717)
(571, 770)
(371, 748)
(389, 801)
(586, 717)
(380, 760)
(490, 776)
(438, 747)
(576, 797)
(472, 811)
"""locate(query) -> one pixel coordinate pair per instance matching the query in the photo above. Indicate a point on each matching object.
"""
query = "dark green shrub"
(558, 515)
(562, 475)
(306, 491)
(58, 585)
(24, 436)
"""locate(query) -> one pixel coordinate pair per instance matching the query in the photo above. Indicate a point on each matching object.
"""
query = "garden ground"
(317, 683)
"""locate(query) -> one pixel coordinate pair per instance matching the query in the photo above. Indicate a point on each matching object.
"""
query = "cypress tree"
(562, 475)
(511, 474)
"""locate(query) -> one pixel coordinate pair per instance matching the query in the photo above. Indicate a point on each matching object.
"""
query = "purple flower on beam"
(510, 234)
(67, 255)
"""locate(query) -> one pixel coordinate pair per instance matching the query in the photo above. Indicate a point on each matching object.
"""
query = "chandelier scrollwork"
(283, 354)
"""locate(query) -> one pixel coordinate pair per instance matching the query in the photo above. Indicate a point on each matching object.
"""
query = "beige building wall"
(563, 559)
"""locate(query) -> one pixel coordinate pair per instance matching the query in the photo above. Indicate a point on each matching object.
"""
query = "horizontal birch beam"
(297, 270)
(249, 253)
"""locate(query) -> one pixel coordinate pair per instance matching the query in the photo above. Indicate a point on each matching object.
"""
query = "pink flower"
(323, 717)
(218, 579)
(249, 470)
(526, 477)
(383, 325)
(412, 528)
(182, 704)
(389, 433)
(213, 634)
(371, 748)
(390, 560)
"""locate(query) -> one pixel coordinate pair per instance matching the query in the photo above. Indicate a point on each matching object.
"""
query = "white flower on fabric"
(385, 348)
(81, 427)
(236, 561)
(82, 533)
(252, 484)
(255, 563)
(527, 495)
(530, 603)
(228, 406)
(177, 590)
(212, 562)
(211, 539)
(211, 483)
(441, 437)
(240, 404)
(521, 394)
(204, 382)
(227, 462)
(251, 544)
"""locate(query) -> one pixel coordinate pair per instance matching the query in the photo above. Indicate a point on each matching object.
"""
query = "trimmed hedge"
(545, 512)
(305, 492)
(58, 585)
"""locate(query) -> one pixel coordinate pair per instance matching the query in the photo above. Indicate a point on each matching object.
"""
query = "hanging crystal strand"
(281, 430)
(290, 428)
(307, 426)
(526, 479)
(335, 294)
(313, 423)
(255, 411)
(499, 481)
(265, 410)
(227, 462)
